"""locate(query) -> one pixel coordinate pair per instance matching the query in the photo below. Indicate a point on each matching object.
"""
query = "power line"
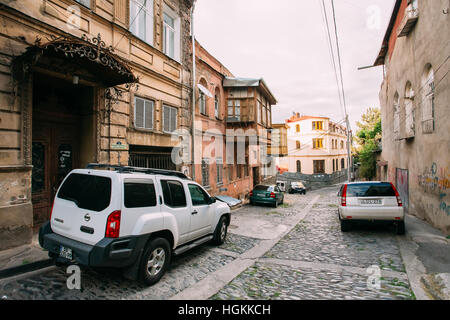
(331, 52)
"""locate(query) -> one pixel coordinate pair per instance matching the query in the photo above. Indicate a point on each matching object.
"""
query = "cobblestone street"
(314, 260)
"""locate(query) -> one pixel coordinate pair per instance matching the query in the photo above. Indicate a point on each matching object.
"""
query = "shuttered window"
(143, 113)
(169, 119)
(396, 116)
(428, 93)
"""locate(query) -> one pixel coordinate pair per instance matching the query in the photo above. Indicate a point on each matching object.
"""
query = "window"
(198, 195)
(298, 145)
(219, 167)
(216, 106)
(86, 3)
(317, 143)
(299, 166)
(239, 171)
(396, 115)
(234, 110)
(202, 103)
(258, 112)
(319, 166)
(205, 172)
(334, 165)
(139, 195)
(169, 119)
(169, 35)
(317, 125)
(342, 144)
(230, 173)
(143, 113)
(173, 192)
(409, 111)
(141, 19)
(428, 94)
(87, 191)
(297, 128)
(342, 163)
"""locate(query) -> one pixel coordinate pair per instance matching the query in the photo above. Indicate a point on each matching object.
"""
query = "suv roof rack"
(128, 169)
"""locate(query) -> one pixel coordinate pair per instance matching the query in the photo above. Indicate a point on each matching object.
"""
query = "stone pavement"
(295, 251)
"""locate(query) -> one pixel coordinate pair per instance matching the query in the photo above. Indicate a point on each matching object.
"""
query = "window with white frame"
(169, 119)
(409, 111)
(219, 167)
(171, 33)
(141, 19)
(143, 113)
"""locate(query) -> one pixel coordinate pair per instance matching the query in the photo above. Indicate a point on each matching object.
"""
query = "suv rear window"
(139, 195)
(87, 191)
(370, 190)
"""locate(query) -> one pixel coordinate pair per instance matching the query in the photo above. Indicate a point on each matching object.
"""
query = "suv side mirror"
(212, 200)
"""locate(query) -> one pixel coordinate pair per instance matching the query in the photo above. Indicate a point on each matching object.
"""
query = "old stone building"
(415, 109)
(316, 145)
(85, 81)
(233, 119)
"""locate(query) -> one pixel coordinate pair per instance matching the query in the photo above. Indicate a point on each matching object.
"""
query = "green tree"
(368, 138)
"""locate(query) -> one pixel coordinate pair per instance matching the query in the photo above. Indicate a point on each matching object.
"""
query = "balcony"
(408, 22)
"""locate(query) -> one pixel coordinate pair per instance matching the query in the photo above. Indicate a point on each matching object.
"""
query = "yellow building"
(85, 81)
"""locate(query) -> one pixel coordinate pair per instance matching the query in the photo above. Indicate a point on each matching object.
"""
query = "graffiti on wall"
(436, 180)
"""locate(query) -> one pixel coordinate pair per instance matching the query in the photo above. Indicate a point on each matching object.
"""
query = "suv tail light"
(51, 212)
(251, 193)
(113, 225)
(272, 195)
(344, 196)
(399, 200)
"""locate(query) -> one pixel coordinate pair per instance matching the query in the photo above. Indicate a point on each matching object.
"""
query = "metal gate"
(155, 161)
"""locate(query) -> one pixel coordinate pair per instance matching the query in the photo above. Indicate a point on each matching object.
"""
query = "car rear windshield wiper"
(72, 199)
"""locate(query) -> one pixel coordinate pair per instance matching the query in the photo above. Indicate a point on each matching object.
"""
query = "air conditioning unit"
(409, 21)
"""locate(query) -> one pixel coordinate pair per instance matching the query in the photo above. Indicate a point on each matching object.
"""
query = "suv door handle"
(194, 212)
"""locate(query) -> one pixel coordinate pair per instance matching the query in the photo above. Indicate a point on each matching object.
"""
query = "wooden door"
(55, 153)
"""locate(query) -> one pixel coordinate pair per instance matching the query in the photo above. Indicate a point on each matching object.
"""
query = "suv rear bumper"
(117, 253)
(378, 214)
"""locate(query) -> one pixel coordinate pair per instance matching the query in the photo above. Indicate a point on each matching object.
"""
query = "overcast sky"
(285, 42)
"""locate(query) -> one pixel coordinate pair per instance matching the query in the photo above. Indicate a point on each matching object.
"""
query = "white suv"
(131, 218)
(370, 201)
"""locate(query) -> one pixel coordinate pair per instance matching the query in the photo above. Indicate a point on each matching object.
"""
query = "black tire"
(220, 234)
(345, 225)
(400, 228)
(153, 251)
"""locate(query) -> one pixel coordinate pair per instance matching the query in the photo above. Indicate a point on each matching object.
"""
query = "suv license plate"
(370, 201)
(65, 253)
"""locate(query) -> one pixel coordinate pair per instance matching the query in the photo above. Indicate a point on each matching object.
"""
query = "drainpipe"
(193, 90)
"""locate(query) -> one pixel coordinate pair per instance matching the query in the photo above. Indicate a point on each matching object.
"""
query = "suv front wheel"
(155, 260)
(221, 232)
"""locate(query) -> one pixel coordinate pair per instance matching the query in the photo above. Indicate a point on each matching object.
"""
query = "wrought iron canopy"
(89, 54)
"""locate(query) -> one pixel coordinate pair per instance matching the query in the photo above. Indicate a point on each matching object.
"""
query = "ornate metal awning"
(87, 54)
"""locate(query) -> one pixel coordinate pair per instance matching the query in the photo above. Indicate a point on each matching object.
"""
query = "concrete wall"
(425, 156)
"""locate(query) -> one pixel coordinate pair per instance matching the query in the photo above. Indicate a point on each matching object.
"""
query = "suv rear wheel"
(155, 260)
(400, 228)
(345, 225)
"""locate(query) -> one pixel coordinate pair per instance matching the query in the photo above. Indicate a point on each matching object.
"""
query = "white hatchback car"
(370, 201)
